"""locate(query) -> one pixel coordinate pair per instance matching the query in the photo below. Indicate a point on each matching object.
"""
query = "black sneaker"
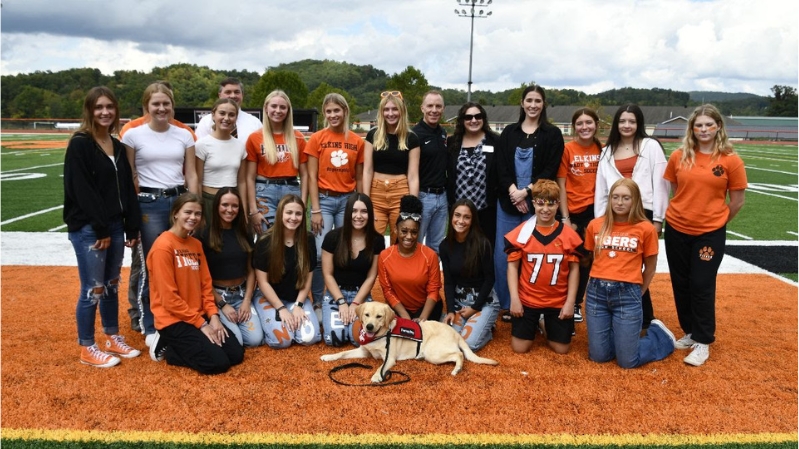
(578, 316)
(157, 348)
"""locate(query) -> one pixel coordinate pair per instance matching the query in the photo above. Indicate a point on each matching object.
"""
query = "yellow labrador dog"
(439, 343)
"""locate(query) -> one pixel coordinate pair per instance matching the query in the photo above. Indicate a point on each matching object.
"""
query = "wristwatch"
(529, 191)
(341, 301)
(221, 303)
(299, 304)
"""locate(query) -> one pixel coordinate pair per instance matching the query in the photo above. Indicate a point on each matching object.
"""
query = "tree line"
(46, 94)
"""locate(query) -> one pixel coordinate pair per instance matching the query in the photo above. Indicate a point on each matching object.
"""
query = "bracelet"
(279, 309)
(253, 213)
(318, 211)
(356, 304)
(204, 324)
(565, 218)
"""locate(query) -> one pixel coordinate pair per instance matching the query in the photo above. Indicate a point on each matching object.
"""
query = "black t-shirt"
(286, 289)
(452, 260)
(354, 274)
(391, 161)
(231, 262)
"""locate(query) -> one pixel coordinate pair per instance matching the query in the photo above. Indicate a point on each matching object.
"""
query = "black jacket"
(96, 193)
(454, 147)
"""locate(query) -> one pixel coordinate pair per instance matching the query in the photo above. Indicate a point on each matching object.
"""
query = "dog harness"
(404, 328)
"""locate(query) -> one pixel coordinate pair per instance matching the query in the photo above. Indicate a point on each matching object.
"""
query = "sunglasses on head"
(542, 202)
(470, 117)
(393, 93)
(414, 217)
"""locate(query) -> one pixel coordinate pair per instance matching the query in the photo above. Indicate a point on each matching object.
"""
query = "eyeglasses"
(393, 93)
(470, 117)
(414, 217)
(541, 202)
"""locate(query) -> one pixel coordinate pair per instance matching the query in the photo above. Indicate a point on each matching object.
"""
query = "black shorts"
(526, 326)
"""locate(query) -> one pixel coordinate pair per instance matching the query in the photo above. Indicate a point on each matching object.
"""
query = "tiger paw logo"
(338, 158)
(718, 170)
(706, 253)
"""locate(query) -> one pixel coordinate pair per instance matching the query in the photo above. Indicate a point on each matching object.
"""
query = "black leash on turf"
(386, 376)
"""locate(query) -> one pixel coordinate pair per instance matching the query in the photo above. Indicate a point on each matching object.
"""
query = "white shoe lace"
(98, 354)
(120, 342)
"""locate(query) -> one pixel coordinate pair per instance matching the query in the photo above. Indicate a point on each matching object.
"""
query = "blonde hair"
(636, 215)
(381, 135)
(218, 103)
(270, 147)
(154, 88)
(690, 144)
(339, 100)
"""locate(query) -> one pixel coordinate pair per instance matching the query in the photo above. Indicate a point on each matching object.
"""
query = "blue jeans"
(155, 220)
(248, 333)
(98, 269)
(336, 333)
(435, 213)
(332, 214)
(505, 223)
(267, 196)
(477, 329)
(613, 313)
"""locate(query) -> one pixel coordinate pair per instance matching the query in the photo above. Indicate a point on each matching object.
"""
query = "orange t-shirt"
(284, 167)
(180, 283)
(578, 167)
(146, 119)
(337, 159)
(544, 266)
(700, 203)
(621, 256)
(409, 280)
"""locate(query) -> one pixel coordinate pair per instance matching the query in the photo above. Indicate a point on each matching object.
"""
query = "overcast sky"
(588, 45)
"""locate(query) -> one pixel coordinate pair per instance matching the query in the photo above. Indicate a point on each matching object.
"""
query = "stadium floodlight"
(481, 14)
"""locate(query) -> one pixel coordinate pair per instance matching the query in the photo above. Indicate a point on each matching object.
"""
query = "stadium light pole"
(472, 13)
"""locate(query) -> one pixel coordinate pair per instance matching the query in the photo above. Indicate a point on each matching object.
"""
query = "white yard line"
(32, 214)
(771, 194)
(772, 171)
(745, 237)
(33, 168)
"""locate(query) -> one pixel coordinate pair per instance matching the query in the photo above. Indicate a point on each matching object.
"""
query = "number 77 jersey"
(543, 262)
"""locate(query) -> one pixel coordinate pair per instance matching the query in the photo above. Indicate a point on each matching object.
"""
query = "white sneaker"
(699, 355)
(661, 326)
(149, 339)
(685, 342)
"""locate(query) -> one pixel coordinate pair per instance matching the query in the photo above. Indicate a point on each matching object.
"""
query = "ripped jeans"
(99, 280)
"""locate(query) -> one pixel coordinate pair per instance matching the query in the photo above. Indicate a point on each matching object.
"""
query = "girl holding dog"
(466, 258)
(623, 242)
(408, 271)
(285, 257)
(102, 217)
(542, 273)
(349, 264)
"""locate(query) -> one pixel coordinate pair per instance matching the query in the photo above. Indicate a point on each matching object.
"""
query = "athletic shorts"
(526, 326)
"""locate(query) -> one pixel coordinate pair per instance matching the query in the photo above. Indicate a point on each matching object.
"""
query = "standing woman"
(471, 165)
(285, 256)
(228, 249)
(623, 241)
(528, 150)
(220, 156)
(100, 210)
(391, 161)
(159, 154)
(705, 167)
(335, 169)
(349, 264)
(631, 153)
(577, 181)
(275, 159)
(472, 305)
(408, 270)
(189, 331)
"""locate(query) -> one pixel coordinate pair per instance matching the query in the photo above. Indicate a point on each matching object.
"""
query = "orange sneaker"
(116, 345)
(92, 355)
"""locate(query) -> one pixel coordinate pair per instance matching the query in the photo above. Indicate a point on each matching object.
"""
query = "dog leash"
(386, 376)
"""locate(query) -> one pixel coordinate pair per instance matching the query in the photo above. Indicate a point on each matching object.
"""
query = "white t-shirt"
(159, 157)
(246, 124)
(221, 160)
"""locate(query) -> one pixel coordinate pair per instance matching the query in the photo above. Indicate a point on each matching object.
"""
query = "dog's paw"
(328, 358)
(377, 378)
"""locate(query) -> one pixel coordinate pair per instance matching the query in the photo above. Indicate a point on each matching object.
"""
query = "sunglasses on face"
(541, 203)
(470, 117)
(414, 217)
(393, 93)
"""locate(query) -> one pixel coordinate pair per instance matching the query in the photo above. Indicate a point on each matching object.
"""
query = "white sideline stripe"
(773, 171)
(793, 233)
(33, 168)
(745, 237)
(32, 214)
(771, 194)
(57, 228)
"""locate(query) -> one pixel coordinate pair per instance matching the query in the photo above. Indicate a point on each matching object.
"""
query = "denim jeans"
(155, 220)
(98, 269)
(435, 213)
(332, 215)
(505, 223)
(248, 333)
(477, 329)
(335, 332)
(275, 333)
(267, 196)
(613, 313)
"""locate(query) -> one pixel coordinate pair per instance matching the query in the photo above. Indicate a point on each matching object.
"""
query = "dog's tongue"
(370, 334)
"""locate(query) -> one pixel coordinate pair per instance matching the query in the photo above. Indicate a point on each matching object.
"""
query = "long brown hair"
(476, 241)
(276, 234)
(636, 215)
(87, 124)
(343, 256)
(239, 224)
